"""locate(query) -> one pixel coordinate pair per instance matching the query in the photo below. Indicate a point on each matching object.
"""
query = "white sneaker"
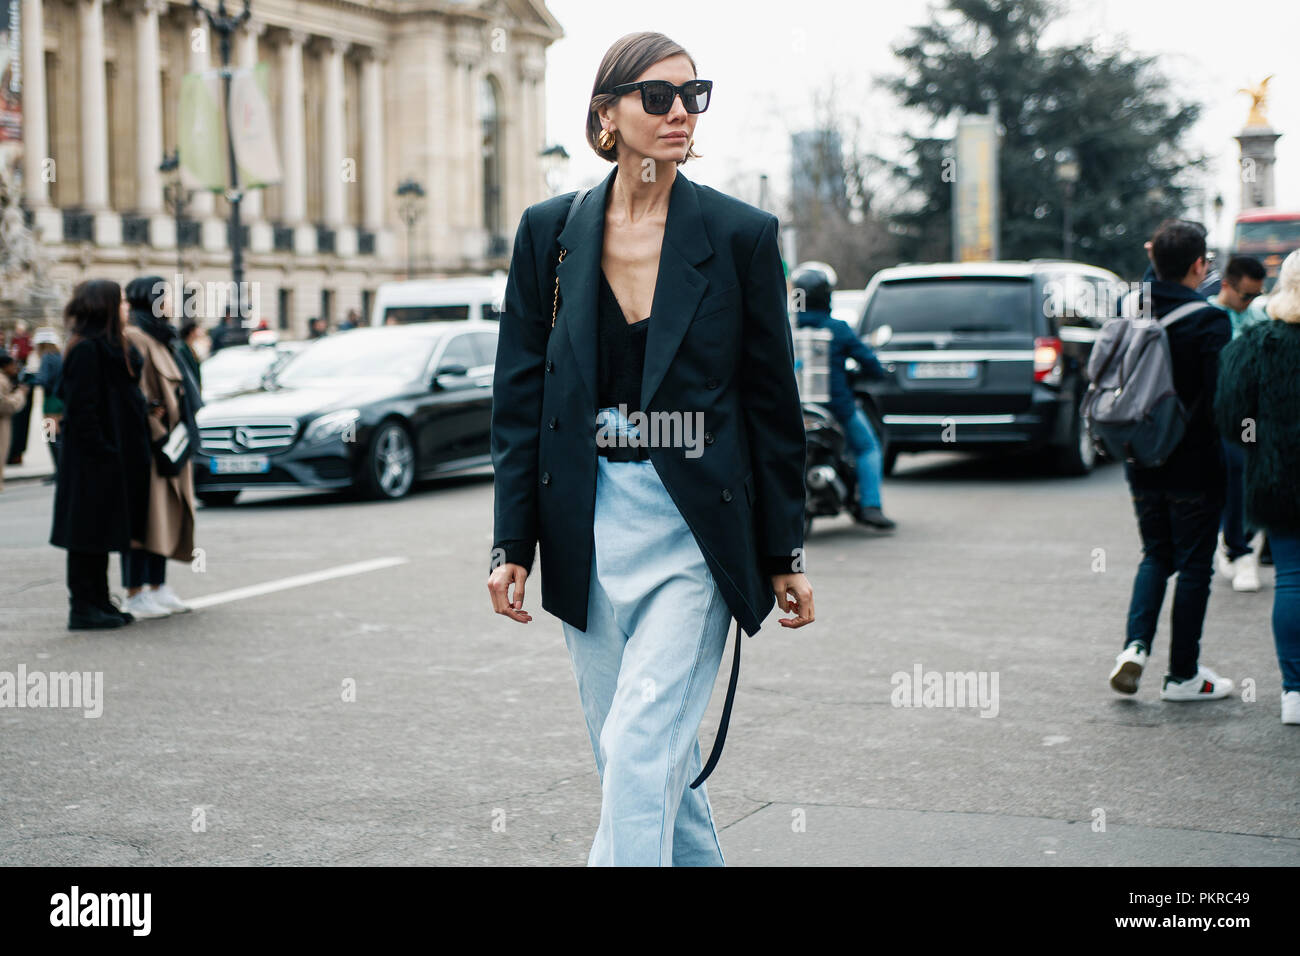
(1247, 576)
(1227, 567)
(1291, 707)
(143, 606)
(1206, 685)
(1128, 669)
(166, 597)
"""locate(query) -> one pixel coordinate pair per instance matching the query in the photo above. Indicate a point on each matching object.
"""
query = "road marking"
(297, 581)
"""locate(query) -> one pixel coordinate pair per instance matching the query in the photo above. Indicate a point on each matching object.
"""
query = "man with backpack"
(1173, 457)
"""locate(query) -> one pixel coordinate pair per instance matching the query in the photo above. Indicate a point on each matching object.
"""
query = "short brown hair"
(628, 58)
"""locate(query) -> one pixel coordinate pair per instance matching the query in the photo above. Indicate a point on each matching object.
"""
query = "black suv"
(986, 356)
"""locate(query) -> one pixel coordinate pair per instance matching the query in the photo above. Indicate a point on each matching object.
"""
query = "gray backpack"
(1131, 407)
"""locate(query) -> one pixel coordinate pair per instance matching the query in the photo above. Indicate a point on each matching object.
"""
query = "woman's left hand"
(802, 603)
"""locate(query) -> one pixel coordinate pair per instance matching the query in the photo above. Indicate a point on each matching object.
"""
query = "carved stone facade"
(364, 94)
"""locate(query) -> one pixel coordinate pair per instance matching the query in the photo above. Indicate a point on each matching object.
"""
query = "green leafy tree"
(1114, 109)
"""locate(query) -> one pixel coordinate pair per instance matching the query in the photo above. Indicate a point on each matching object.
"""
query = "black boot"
(873, 518)
(108, 607)
(83, 616)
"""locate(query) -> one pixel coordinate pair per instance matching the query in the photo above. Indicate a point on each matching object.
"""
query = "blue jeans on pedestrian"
(1235, 537)
(1179, 531)
(865, 446)
(645, 668)
(1286, 606)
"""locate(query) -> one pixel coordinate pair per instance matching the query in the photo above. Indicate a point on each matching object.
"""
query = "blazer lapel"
(679, 286)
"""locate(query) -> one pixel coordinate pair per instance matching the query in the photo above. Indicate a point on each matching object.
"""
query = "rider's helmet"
(816, 280)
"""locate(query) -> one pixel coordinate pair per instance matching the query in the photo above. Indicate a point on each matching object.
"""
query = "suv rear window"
(405, 314)
(952, 305)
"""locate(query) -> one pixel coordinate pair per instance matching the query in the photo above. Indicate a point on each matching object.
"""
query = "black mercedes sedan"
(371, 409)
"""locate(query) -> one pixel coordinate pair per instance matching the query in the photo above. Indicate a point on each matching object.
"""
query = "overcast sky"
(766, 57)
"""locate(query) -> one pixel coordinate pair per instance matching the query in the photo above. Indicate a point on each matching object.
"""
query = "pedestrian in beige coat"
(12, 399)
(170, 532)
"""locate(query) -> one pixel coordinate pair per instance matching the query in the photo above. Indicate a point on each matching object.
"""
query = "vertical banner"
(201, 142)
(252, 130)
(203, 152)
(975, 224)
(11, 90)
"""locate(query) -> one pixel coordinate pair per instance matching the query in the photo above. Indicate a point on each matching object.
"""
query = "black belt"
(726, 715)
(625, 452)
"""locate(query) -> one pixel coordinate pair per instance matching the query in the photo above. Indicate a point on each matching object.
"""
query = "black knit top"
(620, 349)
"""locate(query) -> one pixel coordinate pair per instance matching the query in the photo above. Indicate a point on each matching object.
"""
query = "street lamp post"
(1067, 171)
(555, 160)
(410, 195)
(225, 25)
(1218, 225)
(178, 198)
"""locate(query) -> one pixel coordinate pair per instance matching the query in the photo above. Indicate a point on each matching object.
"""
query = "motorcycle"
(830, 476)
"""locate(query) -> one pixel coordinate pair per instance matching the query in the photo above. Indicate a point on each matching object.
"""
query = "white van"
(440, 300)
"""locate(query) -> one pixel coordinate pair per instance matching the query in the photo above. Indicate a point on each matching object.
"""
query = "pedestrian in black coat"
(101, 499)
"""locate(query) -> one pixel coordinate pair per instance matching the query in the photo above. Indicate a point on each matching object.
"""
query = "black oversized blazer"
(719, 342)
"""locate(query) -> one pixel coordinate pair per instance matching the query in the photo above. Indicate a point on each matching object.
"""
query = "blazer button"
(552, 423)
(711, 383)
(726, 494)
(708, 438)
(550, 366)
(546, 477)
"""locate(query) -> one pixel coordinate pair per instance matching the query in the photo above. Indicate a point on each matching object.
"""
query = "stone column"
(1257, 159)
(535, 184)
(334, 150)
(148, 133)
(293, 147)
(466, 212)
(94, 124)
(260, 234)
(36, 134)
(373, 171)
(212, 231)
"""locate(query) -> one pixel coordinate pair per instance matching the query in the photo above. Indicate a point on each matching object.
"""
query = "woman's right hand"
(499, 588)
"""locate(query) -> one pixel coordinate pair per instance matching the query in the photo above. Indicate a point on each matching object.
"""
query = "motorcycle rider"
(816, 282)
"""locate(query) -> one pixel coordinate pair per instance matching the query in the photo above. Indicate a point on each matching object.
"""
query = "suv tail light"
(1049, 361)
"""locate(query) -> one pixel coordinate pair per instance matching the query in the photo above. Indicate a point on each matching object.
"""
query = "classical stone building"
(448, 93)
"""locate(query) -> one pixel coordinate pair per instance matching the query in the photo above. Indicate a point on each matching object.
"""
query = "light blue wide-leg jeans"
(645, 668)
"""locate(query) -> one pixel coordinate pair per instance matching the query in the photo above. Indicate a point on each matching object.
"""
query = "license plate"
(943, 370)
(241, 465)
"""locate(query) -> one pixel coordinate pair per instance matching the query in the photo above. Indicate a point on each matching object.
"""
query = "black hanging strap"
(726, 715)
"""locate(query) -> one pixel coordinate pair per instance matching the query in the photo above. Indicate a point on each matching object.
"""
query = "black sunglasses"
(657, 95)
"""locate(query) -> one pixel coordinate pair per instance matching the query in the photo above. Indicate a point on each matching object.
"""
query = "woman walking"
(14, 396)
(1258, 406)
(101, 495)
(172, 402)
(647, 433)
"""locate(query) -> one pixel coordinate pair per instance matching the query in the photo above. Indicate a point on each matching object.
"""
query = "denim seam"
(681, 711)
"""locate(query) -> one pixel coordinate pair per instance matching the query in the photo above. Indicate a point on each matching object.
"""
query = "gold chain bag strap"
(573, 208)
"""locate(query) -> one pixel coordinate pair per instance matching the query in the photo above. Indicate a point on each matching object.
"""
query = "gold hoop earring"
(605, 140)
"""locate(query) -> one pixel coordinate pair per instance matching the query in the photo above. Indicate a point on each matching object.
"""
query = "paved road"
(225, 736)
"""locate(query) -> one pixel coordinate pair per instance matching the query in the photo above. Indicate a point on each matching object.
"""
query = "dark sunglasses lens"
(657, 97)
(695, 97)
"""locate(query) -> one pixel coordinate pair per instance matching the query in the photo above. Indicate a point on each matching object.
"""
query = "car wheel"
(1079, 455)
(887, 454)
(390, 463)
(888, 461)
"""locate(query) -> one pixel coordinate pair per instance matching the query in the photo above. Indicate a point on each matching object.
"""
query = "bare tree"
(832, 192)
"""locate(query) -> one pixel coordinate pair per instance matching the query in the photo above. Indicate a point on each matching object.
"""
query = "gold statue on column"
(1258, 102)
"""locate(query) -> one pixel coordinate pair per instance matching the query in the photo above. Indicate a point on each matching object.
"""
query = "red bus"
(1268, 235)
